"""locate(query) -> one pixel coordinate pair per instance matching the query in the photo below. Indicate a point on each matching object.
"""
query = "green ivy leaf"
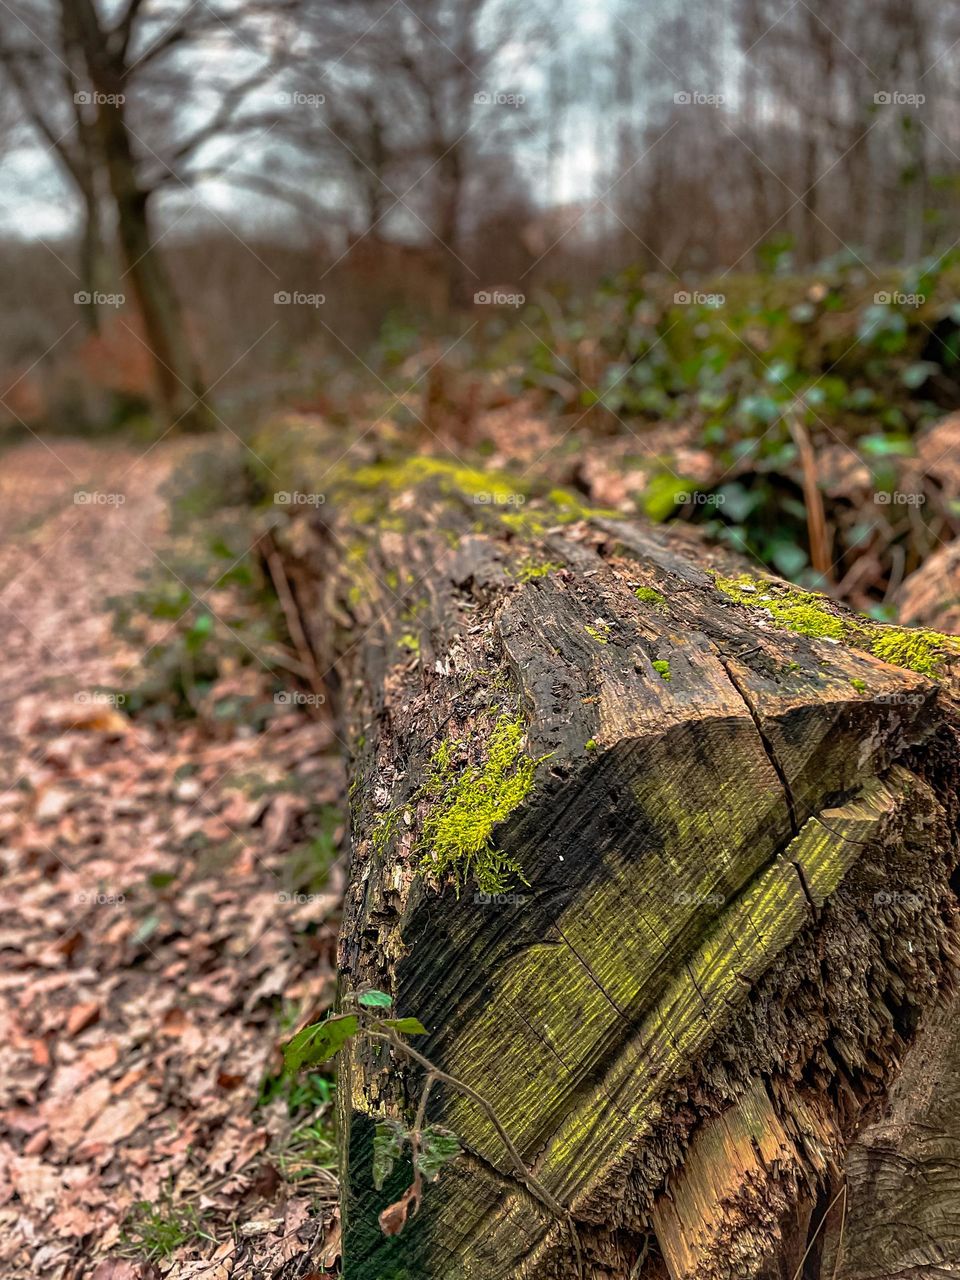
(387, 1144)
(915, 375)
(375, 1000)
(318, 1042)
(437, 1148)
(663, 492)
(880, 446)
(788, 558)
(406, 1026)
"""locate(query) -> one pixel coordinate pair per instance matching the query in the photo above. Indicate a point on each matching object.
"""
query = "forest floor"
(154, 956)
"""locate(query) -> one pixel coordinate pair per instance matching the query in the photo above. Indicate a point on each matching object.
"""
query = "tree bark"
(726, 898)
(180, 388)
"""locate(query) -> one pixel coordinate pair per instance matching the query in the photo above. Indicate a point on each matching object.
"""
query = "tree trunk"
(666, 879)
(179, 383)
(93, 258)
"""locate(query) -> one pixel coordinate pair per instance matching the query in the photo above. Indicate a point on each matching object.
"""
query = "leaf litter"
(154, 955)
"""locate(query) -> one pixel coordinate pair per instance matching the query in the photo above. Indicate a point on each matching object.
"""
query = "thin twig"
(529, 1180)
(820, 1224)
(291, 613)
(843, 1223)
(415, 1139)
(813, 500)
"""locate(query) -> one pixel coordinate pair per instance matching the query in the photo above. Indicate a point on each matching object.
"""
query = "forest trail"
(152, 955)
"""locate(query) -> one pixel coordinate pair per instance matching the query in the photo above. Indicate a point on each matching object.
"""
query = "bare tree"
(141, 125)
(415, 101)
(50, 95)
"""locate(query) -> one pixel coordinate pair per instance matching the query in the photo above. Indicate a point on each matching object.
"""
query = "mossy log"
(660, 853)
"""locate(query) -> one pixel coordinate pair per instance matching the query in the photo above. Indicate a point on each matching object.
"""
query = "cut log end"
(659, 852)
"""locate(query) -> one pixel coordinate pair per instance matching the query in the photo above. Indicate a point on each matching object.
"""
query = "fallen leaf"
(82, 1016)
(394, 1217)
(260, 1226)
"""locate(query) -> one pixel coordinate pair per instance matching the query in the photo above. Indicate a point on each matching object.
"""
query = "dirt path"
(153, 950)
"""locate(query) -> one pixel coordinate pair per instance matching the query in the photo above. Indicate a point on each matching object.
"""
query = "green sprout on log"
(431, 1147)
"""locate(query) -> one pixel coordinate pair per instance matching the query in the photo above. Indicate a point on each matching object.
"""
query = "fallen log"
(661, 853)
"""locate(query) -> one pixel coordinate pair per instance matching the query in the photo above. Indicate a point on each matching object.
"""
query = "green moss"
(917, 650)
(384, 828)
(523, 522)
(468, 804)
(662, 668)
(600, 632)
(590, 744)
(472, 481)
(647, 595)
(807, 613)
(568, 508)
(409, 641)
(801, 611)
(859, 685)
(530, 570)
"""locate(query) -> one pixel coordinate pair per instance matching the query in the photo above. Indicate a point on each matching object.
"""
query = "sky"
(36, 202)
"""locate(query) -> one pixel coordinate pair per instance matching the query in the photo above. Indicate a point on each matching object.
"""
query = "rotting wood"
(725, 895)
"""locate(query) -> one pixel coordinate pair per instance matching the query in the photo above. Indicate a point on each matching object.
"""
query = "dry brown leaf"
(394, 1217)
(82, 1016)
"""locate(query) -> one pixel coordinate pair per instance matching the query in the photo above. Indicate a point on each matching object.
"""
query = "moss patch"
(599, 632)
(475, 483)
(647, 595)
(530, 570)
(801, 611)
(917, 650)
(466, 805)
(810, 614)
(662, 668)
